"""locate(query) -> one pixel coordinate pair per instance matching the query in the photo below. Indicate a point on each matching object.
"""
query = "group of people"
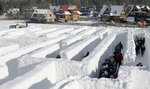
(140, 45)
(111, 65)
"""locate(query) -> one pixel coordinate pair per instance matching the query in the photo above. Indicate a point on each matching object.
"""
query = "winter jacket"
(118, 57)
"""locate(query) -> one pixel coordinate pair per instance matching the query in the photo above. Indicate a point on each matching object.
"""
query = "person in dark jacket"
(119, 47)
(137, 48)
(142, 40)
(142, 49)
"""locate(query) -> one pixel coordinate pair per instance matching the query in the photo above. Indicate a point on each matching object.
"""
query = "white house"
(43, 15)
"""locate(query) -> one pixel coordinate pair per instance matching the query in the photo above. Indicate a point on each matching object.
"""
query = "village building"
(43, 15)
(66, 13)
(87, 12)
(116, 13)
(139, 13)
(75, 13)
(12, 13)
(56, 10)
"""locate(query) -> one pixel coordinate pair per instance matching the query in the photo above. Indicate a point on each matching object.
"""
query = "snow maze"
(29, 57)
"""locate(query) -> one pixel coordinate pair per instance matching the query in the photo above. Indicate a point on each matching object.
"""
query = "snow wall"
(102, 52)
(20, 52)
(130, 54)
(147, 50)
(61, 70)
(79, 49)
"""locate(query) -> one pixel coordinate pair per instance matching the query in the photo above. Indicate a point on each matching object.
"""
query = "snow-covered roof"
(55, 8)
(138, 7)
(79, 12)
(72, 7)
(42, 11)
(13, 10)
(116, 10)
(148, 7)
(65, 13)
(103, 10)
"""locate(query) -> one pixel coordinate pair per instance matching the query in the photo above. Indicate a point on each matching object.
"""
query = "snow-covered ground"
(29, 57)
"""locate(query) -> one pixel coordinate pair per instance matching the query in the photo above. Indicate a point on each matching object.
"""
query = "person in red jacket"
(118, 58)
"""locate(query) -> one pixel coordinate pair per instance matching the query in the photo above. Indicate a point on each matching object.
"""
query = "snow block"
(70, 52)
(42, 32)
(130, 54)
(140, 79)
(39, 73)
(9, 48)
(103, 33)
(58, 32)
(15, 33)
(78, 36)
(30, 48)
(93, 62)
(75, 31)
(46, 50)
(4, 71)
(34, 29)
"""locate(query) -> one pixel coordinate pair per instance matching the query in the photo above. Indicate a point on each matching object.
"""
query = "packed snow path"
(28, 55)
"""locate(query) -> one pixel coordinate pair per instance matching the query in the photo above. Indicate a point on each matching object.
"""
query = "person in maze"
(111, 65)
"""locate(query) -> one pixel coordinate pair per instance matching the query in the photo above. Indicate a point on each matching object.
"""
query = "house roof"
(65, 13)
(64, 7)
(42, 11)
(103, 10)
(76, 13)
(138, 7)
(13, 10)
(55, 8)
(73, 7)
(116, 10)
(148, 7)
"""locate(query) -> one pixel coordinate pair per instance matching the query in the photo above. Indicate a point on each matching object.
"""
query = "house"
(13, 13)
(43, 15)
(88, 12)
(113, 12)
(148, 14)
(56, 10)
(140, 12)
(66, 12)
(75, 13)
